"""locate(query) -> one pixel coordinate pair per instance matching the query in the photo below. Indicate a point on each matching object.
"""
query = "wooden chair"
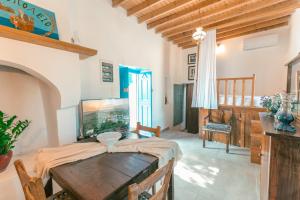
(218, 121)
(139, 191)
(33, 187)
(140, 127)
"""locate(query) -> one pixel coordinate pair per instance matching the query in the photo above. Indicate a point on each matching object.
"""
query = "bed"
(237, 94)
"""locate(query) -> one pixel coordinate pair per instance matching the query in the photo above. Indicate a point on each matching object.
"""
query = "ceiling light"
(199, 34)
(220, 49)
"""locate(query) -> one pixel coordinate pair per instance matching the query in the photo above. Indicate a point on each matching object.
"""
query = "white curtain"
(205, 92)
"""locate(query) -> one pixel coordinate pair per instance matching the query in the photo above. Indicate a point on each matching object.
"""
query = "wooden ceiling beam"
(245, 26)
(142, 6)
(255, 27)
(205, 14)
(287, 6)
(180, 35)
(254, 22)
(182, 13)
(254, 31)
(244, 30)
(253, 11)
(163, 10)
(228, 25)
(116, 3)
(219, 39)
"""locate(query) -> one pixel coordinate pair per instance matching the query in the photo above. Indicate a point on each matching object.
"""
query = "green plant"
(10, 131)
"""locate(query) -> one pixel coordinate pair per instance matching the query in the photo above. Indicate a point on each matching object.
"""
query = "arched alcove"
(31, 96)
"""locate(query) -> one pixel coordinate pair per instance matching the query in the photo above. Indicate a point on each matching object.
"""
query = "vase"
(4, 160)
(284, 116)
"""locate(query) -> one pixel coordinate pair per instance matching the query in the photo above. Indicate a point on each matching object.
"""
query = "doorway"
(192, 114)
(183, 114)
(136, 85)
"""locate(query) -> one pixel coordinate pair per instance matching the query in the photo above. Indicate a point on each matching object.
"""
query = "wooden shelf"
(23, 36)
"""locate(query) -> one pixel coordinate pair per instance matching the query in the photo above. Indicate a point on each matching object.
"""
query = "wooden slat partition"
(253, 90)
(233, 92)
(218, 92)
(226, 92)
(243, 92)
(234, 88)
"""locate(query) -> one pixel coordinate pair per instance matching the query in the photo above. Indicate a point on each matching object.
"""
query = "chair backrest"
(33, 187)
(135, 190)
(140, 127)
(220, 116)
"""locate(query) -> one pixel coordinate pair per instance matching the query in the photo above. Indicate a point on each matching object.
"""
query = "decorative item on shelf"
(191, 73)
(272, 103)
(9, 133)
(27, 17)
(284, 116)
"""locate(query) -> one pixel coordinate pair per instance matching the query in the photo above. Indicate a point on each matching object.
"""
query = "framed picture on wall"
(107, 72)
(191, 73)
(192, 59)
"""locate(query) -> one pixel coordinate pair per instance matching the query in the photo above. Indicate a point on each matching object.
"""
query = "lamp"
(220, 49)
(199, 34)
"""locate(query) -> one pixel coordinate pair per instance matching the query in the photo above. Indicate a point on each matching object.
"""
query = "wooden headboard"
(234, 88)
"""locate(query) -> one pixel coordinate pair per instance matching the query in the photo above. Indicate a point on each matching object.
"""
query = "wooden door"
(192, 114)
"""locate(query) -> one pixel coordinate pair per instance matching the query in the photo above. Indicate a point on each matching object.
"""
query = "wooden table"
(106, 176)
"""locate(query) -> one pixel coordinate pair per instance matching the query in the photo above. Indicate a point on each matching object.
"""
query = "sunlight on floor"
(211, 173)
(196, 174)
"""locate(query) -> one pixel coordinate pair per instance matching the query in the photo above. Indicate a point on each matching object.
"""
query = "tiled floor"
(210, 173)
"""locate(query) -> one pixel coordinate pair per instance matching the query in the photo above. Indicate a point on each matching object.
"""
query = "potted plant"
(10, 130)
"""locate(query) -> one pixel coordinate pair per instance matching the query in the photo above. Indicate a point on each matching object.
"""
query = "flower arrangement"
(272, 103)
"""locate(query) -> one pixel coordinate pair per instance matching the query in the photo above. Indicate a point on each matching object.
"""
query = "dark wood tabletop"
(106, 176)
(268, 122)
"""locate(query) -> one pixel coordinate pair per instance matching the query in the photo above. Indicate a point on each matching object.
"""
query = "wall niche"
(30, 97)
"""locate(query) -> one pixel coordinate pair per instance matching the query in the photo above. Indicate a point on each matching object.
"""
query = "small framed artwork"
(107, 72)
(191, 73)
(192, 59)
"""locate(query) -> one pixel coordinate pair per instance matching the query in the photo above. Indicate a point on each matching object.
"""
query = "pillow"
(216, 116)
(227, 114)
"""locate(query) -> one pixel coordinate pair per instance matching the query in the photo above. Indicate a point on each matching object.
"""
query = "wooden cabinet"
(280, 163)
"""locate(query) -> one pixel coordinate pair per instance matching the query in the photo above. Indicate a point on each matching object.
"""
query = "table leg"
(171, 188)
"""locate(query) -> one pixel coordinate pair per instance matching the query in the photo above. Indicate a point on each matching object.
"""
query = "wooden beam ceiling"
(246, 25)
(204, 14)
(255, 11)
(177, 20)
(184, 12)
(232, 23)
(163, 10)
(116, 3)
(258, 26)
(142, 6)
(190, 45)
